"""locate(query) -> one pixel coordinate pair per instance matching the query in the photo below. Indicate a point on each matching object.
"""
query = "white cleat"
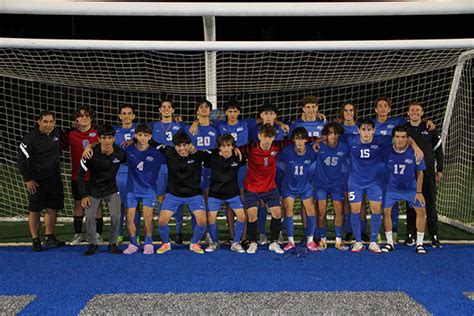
(252, 248)
(275, 247)
(212, 247)
(262, 240)
(237, 247)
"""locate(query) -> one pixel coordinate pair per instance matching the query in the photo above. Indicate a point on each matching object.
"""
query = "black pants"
(429, 192)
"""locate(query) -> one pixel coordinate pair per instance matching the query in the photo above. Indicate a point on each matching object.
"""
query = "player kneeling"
(403, 185)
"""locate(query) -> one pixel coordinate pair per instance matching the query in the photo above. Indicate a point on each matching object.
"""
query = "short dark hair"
(382, 98)
(46, 113)
(143, 128)
(124, 106)
(335, 127)
(268, 107)
(167, 100)
(204, 101)
(366, 121)
(299, 132)
(399, 128)
(418, 103)
(225, 139)
(341, 110)
(181, 138)
(106, 130)
(232, 104)
(86, 109)
(267, 130)
(309, 99)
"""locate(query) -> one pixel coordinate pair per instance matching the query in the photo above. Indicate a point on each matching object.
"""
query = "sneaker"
(76, 240)
(252, 248)
(212, 247)
(322, 245)
(208, 239)
(99, 238)
(148, 249)
(281, 240)
(435, 243)
(245, 243)
(409, 241)
(289, 246)
(388, 248)
(178, 239)
(196, 248)
(357, 247)
(113, 249)
(420, 250)
(237, 247)
(119, 240)
(51, 241)
(275, 247)
(365, 237)
(348, 237)
(374, 247)
(165, 247)
(92, 250)
(262, 240)
(37, 245)
(341, 246)
(312, 246)
(131, 249)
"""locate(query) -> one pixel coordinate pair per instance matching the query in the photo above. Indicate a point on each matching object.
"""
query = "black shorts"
(49, 194)
(75, 190)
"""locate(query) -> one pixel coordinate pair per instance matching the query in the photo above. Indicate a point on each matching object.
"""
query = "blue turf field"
(64, 280)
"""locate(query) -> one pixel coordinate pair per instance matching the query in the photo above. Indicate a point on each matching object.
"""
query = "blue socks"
(197, 233)
(148, 240)
(238, 230)
(375, 222)
(323, 232)
(164, 233)
(289, 226)
(355, 223)
(133, 240)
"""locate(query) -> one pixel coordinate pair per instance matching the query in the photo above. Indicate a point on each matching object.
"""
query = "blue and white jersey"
(163, 132)
(329, 165)
(349, 131)
(386, 128)
(239, 131)
(206, 137)
(314, 128)
(296, 175)
(143, 167)
(254, 133)
(366, 160)
(122, 135)
(402, 168)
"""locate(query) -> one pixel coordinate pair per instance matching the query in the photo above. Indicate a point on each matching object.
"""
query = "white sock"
(291, 240)
(419, 238)
(389, 236)
(310, 238)
(338, 239)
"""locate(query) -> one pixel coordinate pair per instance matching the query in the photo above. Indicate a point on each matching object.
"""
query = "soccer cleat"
(76, 240)
(165, 247)
(281, 240)
(119, 240)
(92, 250)
(262, 240)
(275, 247)
(374, 247)
(196, 248)
(237, 247)
(312, 246)
(99, 238)
(435, 243)
(178, 238)
(357, 247)
(51, 241)
(409, 241)
(148, 249)
(212, 247)
(113, 249)
(289, 246)
(37, 245)
(341, 246)
(420, 250)
(322, 245)
(131, 249)
(252, 248)
(348, 237)
(388, 248)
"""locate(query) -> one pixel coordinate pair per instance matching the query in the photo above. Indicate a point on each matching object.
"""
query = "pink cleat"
(289, 246)
(148, 249)
(312, 246)
(131, 249)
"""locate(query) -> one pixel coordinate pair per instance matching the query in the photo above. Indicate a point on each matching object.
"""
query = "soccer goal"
(62, 75)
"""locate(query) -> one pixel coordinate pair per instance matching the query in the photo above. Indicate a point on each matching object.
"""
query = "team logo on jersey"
(211, 134)
(85, 143)
(424, 132)
(191, 161)
(116, 160)
(93, 134)
(234, 164)
(273, 153)
(384, 132)
(132, 130)
(340, 153)
(175, 128)
(408, 161)
(149, 158)
(390, 126)
(374, 146)
(239, 129)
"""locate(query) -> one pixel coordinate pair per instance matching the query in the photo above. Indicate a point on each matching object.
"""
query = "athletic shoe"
(51, 241)
(92, 250)
(374, 247)
(76, 240)
(275, 247)
(357, 247)
(208, 239)
(196, 248)
(341, 246)
(435, 243)
(281, 240)
(252, 248)
(113, 249)
(131, 249)
(178, 239)
(148, 249)
(289, 246)
(365, 237)
(312, 246)
(245, 243)
(165, 247)
(388, 248)
(237, 247)
(420, 250)
(262, 240)
(37, 245)
(322, 245)
(99, 238)
(348, 237)
(212, 247)
(409, 241)
(119, 240)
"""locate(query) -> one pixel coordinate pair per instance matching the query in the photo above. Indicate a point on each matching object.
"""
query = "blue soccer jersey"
(239, 131)
(121, 136)
(387, 127)
(296, 169)
(143, 167)
(314, 128)
(402, 168)
(163, 132)
(329, 165)
(206, 137)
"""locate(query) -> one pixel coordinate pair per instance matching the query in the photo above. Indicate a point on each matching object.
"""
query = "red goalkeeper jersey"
(78, 141)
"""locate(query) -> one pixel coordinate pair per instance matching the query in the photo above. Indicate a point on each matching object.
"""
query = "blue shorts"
(271, 198)
(214, 203)
(337, 193)
(241, 176)
(162, 180)
(122, 186)
(205, 178)
(148, 199)
(173, 202)
(304, 194)
(393, 196)
(374, 194)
